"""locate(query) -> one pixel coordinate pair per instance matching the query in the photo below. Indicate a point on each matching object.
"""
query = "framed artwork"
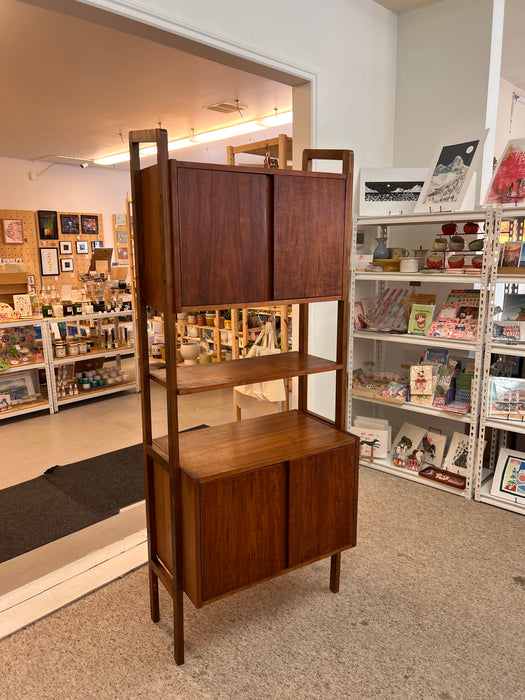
(13, 232)
(506, 398)
(509, 476)
(66, 247)
(508, 180)
(122, 237)
(66, 264)
(49, 262)
(389, 190)
(122, 253)
(89, 223)
(406, 445)
(120, 219)
(5, 402)
(19, 387)
(96, 244)
(31, 280)
(69, 224)
(82, 247)
(434, 446)
(455, 161)
(47, 225)
(457, 454)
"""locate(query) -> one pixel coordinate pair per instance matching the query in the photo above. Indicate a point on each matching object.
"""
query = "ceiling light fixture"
(226, 132)
(277, 119)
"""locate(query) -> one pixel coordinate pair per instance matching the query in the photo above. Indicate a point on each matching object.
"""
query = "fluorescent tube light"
(217, 135)
(276, 119)
(227, 132)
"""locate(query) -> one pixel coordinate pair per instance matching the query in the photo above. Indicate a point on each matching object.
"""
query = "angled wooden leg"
(178, 629)
(154, 596)
(335, 570)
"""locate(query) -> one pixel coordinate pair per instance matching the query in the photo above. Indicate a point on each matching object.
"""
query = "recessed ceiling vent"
(225, 107)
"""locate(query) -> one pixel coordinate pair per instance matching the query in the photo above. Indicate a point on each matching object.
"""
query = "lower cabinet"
(242, 529)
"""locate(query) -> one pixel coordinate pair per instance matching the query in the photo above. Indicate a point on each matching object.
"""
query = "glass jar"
(60, 348)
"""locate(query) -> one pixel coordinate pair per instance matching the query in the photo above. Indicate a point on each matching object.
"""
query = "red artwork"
(508, 183)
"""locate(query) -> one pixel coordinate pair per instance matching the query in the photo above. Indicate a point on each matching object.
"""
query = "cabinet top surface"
(275, 172)
(226, 450)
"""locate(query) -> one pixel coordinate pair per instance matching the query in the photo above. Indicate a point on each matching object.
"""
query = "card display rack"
(499, 432)
(389, 350)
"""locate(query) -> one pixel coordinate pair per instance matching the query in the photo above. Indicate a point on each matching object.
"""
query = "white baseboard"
(43, 596)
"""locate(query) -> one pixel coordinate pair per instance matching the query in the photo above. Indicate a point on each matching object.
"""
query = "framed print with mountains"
(454, 163)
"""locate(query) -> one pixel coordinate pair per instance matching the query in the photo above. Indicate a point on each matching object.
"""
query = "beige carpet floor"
(432, 605)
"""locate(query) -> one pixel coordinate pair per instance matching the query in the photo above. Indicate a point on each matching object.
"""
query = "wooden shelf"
(223, 375)
(235, 448)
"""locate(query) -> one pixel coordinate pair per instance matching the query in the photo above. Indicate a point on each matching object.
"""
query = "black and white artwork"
(453, 165)
(390, 190)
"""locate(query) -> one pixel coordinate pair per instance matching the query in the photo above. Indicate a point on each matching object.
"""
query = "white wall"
(448, 67)
(504, 109)
(65, 188)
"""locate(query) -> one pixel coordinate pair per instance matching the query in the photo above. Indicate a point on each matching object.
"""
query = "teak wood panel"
(309, 233)
(222, 375)
(232, 448)
(151, 264)
(244, 529)
(322, 493)
(224, 237)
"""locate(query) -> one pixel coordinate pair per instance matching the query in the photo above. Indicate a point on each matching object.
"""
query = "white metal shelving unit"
(419, 227)
(117, 354)
(39, 405)
(49, 363)
(500, 428)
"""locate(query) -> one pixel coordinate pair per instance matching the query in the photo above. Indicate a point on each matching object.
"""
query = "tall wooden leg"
(178, 629)
(335, 570)
(154, 596)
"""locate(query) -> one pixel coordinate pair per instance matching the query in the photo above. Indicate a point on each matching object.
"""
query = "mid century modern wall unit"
(278, 491)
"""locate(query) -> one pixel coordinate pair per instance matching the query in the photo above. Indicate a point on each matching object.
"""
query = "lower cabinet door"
(243, 529)
(322, 509)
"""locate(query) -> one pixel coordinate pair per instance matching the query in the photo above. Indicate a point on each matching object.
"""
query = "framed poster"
(389, 190)
(47, 225)
(69, 224)
(82, 247)
(66, 247)
(509, 476)
(455, 161)
(66, 264)
(89, 223)
(122, 253)
(96, 244)
(49, 262)
(13, 231)
(508, 181)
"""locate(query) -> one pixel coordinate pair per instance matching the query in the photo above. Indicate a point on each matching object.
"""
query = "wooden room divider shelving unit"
(275, 492)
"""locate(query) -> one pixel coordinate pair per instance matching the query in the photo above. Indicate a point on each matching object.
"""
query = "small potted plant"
(227, 318)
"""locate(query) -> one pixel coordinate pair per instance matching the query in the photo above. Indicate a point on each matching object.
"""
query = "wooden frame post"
(160, 137)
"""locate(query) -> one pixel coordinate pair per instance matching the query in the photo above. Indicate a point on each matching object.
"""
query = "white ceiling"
(73, 86)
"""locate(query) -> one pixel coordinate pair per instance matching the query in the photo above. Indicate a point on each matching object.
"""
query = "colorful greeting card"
(420, 319)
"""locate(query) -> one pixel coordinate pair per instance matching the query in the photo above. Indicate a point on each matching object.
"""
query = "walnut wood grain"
(224, 237)
(234, 448)
(222, 375)
(309, 229)
(322, 491)
(244, 526)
